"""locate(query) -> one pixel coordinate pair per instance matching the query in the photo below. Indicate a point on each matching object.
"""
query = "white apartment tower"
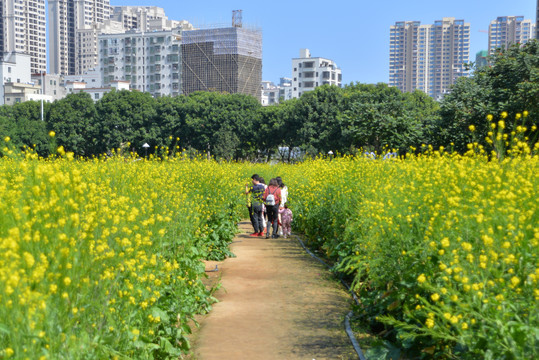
(310, 72)
(403, 56)
(507, 30)
(22, 30)
(150, 62)
(73, 29)
(428, 57)
(144, 18)
(137, 17)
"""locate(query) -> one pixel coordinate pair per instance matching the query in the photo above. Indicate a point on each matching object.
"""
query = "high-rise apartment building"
(137, 17)
(537, 21)
(507, 30)
(403, 60)
(225, 59)
(22, 30)
(145, 18)
(73, 29)
(310, 72)
(428, 57)
(150, 62)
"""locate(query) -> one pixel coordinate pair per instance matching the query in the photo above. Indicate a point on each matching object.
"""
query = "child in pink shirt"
(286, 219)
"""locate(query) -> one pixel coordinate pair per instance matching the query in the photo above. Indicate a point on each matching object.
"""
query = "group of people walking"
(268, 208)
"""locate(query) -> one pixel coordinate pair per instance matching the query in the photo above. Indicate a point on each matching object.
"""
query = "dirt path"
(276, 303)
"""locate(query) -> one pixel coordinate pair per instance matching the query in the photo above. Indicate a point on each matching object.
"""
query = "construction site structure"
(224, 59)
(237, 18)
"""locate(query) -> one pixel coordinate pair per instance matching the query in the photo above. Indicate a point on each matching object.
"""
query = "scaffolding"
(237, 18)
(224, 59)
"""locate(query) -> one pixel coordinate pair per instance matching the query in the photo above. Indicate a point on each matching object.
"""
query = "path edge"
(347, 327)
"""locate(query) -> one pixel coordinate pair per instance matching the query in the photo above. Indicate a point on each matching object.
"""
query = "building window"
(9, 69)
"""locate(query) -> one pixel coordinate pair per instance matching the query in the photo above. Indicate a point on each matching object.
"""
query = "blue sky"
(354, 33)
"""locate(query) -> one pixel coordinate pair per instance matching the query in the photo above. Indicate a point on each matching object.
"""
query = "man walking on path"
(255, 208)
(248, 197)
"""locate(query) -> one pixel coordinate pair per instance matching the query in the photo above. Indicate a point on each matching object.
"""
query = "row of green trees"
(358, 116)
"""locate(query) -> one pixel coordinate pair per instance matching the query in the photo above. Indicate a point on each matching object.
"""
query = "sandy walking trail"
(276, 303)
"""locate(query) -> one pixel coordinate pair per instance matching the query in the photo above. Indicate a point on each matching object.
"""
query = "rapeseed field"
(102, 258)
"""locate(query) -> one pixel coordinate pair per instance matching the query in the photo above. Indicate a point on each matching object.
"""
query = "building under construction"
(225, 59)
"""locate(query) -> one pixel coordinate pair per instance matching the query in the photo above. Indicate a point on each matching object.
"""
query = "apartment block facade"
(428, 57)
(14, 68)
(310, 72)
(52, 85)
(73, 29)
(22, 30)
(507, 30)
(150, 62)
(75, 25)
(145, 18)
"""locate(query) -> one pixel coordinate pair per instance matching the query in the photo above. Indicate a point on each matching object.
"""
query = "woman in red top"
(272, 207)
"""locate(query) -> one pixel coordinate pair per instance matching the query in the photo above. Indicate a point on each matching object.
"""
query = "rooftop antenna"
(237, 18)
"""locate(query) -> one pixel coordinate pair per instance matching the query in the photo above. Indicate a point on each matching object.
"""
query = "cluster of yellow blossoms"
(101, 258)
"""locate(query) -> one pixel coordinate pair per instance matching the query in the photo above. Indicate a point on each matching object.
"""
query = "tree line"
(371, 117)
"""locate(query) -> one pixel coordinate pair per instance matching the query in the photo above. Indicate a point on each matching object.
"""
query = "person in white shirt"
(284, 196)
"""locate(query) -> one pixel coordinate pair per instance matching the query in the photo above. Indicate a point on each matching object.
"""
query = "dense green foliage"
(230, 126)
(510, 84)
(343, 120)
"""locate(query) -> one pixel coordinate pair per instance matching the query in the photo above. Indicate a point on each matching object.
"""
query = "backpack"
(270, 199)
